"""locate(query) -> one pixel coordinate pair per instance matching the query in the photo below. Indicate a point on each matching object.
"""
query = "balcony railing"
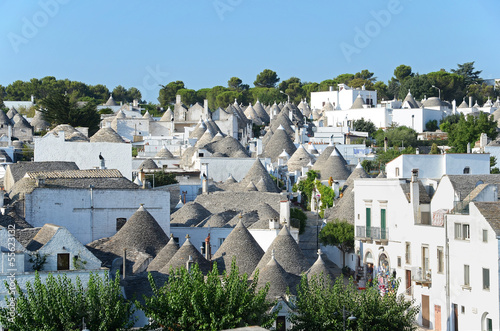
(374, 233)
(422, 277)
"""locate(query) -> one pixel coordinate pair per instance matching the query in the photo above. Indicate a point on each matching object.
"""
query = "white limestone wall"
(219, 168)
(379, 116)
(71, 208)
(130, 127)
(85, 154)
(477, 302)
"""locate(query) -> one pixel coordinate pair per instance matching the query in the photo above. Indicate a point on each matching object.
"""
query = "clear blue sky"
(204, 43)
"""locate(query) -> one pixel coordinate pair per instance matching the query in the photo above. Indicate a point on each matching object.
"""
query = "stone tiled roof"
(251, 114)
(248, 218)
(38, 122)
(433, 102)
(227, 146)
(463, 104)
(358, 102)
(166, 253)
(251, 187)
(167, 116)
(198, 130)
(287, 253)
(107, 135)
(464, 184)
(241, 246)
(219, 220)
(422, 193)
(182, 256)
(358, 172)
(491, 212)
(75, 174)
(261, 112)
(411, 101)
(283, 120)
(19, 169)
(111, 101)
(320, 269)
(42, 237)
(205, 139)
(12, 112)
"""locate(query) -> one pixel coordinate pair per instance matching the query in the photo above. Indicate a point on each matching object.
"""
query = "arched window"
(466, 170)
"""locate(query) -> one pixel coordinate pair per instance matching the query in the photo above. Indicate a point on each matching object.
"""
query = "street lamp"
(439, 91)
(286, 95)
(351, 318)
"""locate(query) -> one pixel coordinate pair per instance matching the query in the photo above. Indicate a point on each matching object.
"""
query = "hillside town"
(342, 186)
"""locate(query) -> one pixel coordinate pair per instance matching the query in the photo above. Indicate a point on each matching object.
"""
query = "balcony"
(422, 277)
(380, 236)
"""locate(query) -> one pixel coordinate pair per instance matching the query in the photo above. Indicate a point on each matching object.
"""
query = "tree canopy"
(322, 306)
(60, 303)
(267, 78)
(189, 301)
(59, 109)
(338, 234)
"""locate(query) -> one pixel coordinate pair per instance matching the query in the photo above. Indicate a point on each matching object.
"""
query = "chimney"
(204, 185)
(330, 88)
(177, 99)
(32, 98)
(414, 193)
(208, 248)
(468, 148)
(189, 263)
(205, 108)
(135, 103)
(9, 133)
(385, 144)
(274, 224)
(40, 181)
(285, 212)
(124, 264)
(483, 141)
(470, 102)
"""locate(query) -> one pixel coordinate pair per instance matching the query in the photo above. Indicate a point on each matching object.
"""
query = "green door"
(382, 224)
(368, 222)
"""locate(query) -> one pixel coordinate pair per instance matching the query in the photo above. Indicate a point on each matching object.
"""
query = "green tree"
(468, 129)
(133, 93)
(343, 79)
(402, 72)
(234, 83)
(306, 186)
(320, 306)
(468, 72)
(400, 136)
(267, 78)
(189, 301)
(382, 91)
(188, 96)
(431, 125)
(364, 126)
(225, 98)
(366, 75)
(161, 178)
(434, 149)
(60, 304)
(120, 94)
(168, 93)
(58, 109)
(301, 217)
(293, 87)
(338, 234)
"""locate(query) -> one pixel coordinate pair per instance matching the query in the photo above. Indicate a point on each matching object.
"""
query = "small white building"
(343, 98)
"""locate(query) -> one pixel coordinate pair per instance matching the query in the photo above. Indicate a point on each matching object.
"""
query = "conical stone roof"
(205, 139)
(190, 214)
(411, 101)
(12, 112)
(38, 122)
(148, 116)
(358, 103)
(279, 141)
(217, 137)
(167, 116)
(230, 180)
(166, 253)
(463, 104)
(148, 164)
(251, 114)
(70, 133)
(141, 233)
(107, 135)
(181, 257)
(256, 173)
(287, 253)
(198, 131)
(358, 172)
(164, 153)
(248, 219)
(241, 246)
(334, 167)
(111, 101)
(274, 274)
(299, 159)
(283, 121)
(227, 146)
(261, 112)
(251, 187)
(319, 269)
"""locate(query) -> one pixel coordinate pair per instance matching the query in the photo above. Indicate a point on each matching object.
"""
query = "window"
(462, 231)
(120, 222)
(485, 236)
(176, 240)
(368, 222)
(383, 234)
(486, 279)
(396, 172)
(463, 309)
(399, 261)
(63, 261)
(466, 170)
(440, 260)
(466, 275)
(221, 240)
(407, 253)
(425, 260)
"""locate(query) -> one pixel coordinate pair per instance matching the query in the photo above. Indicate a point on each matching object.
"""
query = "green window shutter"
(368, 222)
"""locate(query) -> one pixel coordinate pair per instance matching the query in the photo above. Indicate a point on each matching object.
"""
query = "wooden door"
(437, 318)
(63, 261)
(408, 282)
(425, 311)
